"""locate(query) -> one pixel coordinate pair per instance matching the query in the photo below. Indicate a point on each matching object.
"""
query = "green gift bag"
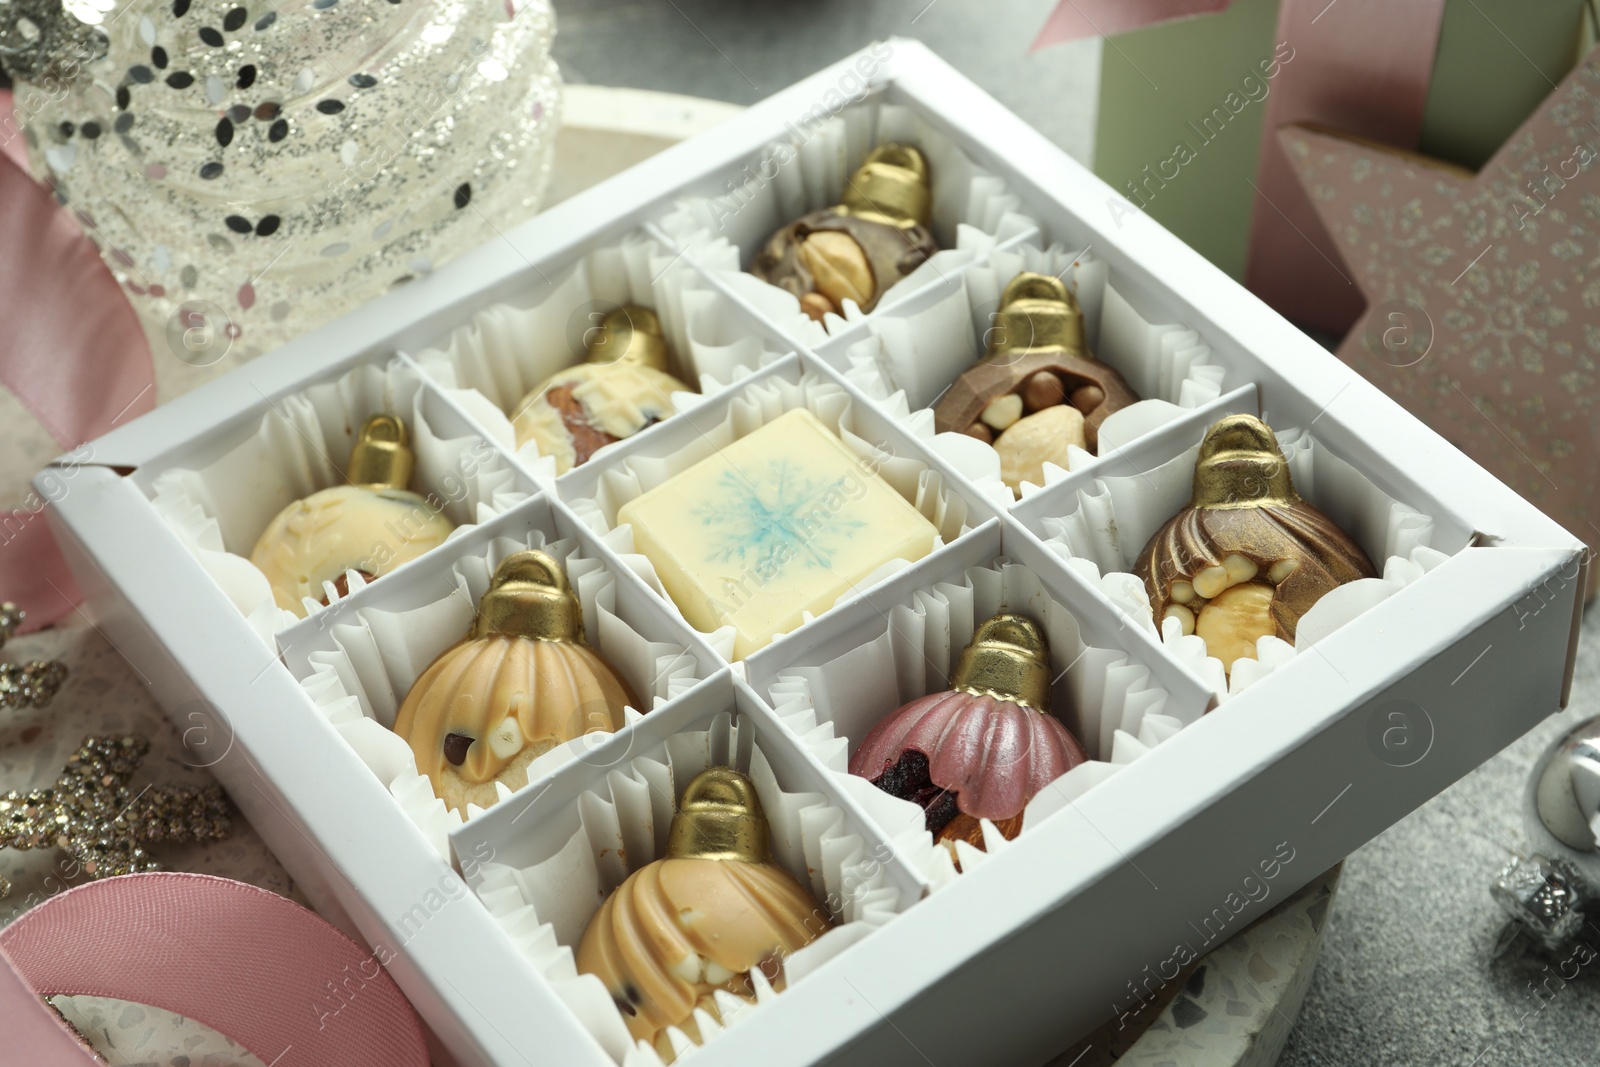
(1181, 104)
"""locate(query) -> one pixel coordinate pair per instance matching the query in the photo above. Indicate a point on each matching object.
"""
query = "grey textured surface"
(1406, 975)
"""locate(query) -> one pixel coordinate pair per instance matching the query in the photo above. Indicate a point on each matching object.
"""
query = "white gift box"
(1220, 804)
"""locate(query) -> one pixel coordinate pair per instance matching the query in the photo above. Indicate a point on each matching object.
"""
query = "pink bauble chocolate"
(994, 755)
(983, 748)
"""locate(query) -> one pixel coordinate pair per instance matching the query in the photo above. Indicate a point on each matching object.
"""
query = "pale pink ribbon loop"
(253, 966)
(71, 349)
(1075, 19)
(1362, 67)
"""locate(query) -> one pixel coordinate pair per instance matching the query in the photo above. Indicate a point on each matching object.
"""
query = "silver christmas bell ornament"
(1549, 891)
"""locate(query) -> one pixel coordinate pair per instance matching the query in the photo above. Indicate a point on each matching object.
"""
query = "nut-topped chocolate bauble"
(700, 919)
(983, 748)
(370, 525)
(876, 235)
(1247, 557)
(621, 388)
(522, 682)
(1038, 388)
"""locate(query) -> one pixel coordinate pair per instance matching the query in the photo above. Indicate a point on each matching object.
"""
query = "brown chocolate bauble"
(1037, 331)
(876, 235)
(1247, 557)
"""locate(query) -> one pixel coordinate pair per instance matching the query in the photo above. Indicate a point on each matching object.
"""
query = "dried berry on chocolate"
(983, 748)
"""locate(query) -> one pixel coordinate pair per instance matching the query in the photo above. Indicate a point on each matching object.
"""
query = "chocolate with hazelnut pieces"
(1246, 557)
(876, 235)
(1038, 388)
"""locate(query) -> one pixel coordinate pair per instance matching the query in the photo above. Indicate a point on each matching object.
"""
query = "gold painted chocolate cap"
(1008, 658)
(630, 333)
(1036, 312)
(381, 457)
(529, 596)
(891, 186)
(1241, 466)
(719, 819)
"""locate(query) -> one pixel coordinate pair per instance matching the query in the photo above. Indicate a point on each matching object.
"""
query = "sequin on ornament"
(93, 815)
(190, 82)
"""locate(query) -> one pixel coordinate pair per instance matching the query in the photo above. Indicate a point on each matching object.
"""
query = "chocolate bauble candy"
(522, 682)
(1246, 557)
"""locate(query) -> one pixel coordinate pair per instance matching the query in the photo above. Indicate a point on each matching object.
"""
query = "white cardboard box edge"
(860, 1029)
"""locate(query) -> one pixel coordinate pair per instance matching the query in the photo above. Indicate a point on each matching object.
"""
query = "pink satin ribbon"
(71, 349)
(11, 143)
(253, 966)
(1075, 19)
(1362, 67)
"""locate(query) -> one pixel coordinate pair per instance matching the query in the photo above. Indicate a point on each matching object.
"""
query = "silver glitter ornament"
(1565, 791)
(93, 815)
(1543, 897)
(34, 683)
(1550, 893)
(48, 41)
(251, 169)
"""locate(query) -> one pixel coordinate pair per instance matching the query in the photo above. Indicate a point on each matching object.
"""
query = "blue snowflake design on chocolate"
(777, 515)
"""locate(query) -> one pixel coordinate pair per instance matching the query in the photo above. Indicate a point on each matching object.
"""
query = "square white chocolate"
(783, 521)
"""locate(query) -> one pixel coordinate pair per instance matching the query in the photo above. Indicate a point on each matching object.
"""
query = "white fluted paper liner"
(1115, 518)
(623, 824)
(507, 350)
(923, 353)
(760, 402)
(302, 445)
(973, 210)
(376, 655)
(1108, 701)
